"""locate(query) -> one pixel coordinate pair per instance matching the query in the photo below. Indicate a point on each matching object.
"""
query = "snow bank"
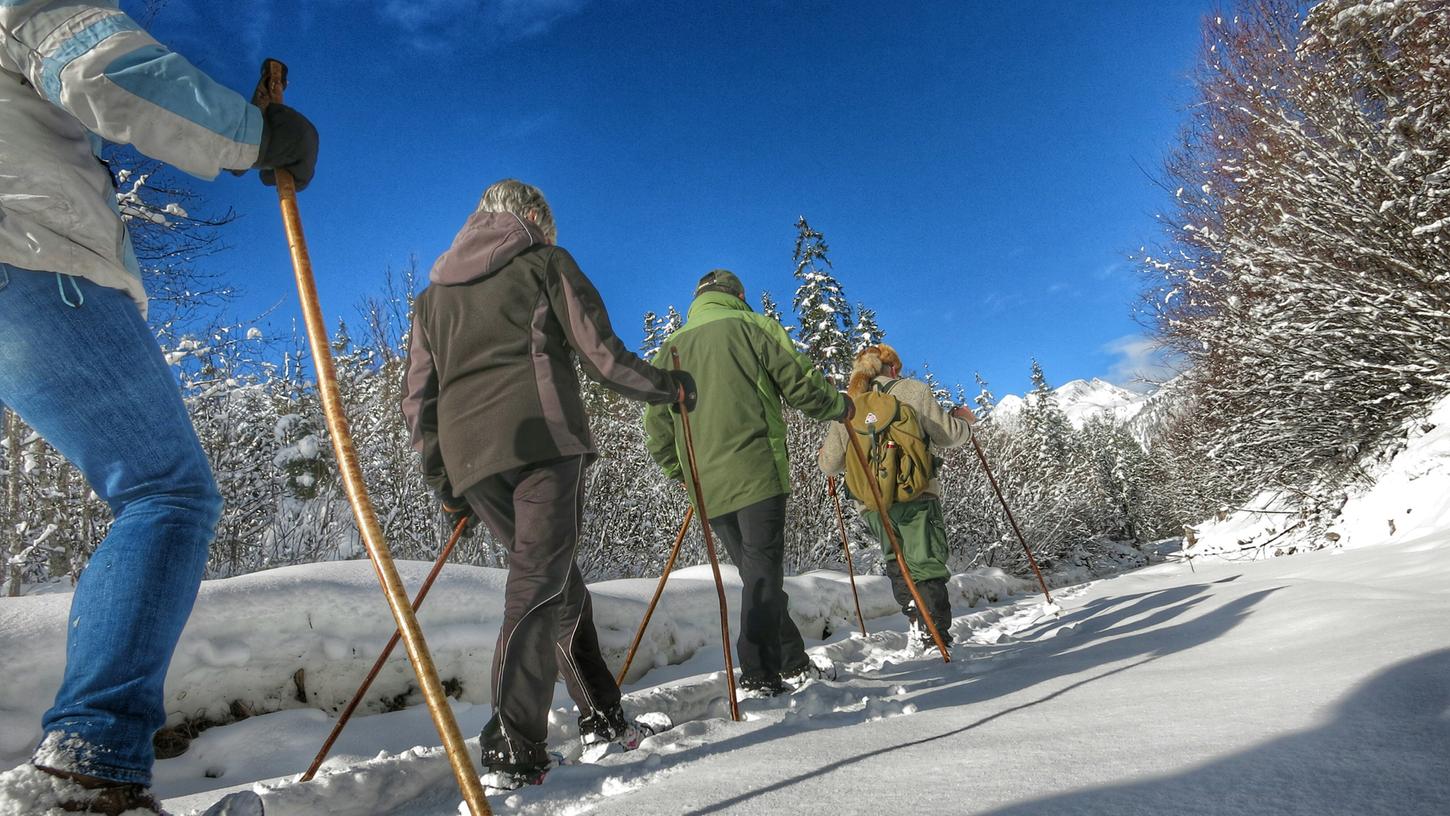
(1409, 498)
(305, 636)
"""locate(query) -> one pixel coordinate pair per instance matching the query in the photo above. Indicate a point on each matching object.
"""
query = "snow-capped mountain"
(1080, 400)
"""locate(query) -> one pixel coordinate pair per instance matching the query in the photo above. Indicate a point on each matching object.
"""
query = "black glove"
(850, 408)
(457, 510)
(685, 390)
(289, 142)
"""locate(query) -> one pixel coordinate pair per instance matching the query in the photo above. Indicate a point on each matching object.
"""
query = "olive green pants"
(922, 533)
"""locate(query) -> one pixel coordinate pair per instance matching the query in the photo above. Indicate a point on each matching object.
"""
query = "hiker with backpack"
(746, 366)
(493, 404)
(80, 365)
(897, 421)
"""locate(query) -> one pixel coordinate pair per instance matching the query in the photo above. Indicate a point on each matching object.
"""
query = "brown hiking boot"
(91, 794)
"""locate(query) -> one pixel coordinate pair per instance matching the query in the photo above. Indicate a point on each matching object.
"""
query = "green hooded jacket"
(744, 365)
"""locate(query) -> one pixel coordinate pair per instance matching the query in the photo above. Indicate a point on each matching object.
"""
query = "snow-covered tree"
(654, 335)
(865, 333)
(673, 322)
(770, 308)
(824, 314)
(938, 391)
(984, 400)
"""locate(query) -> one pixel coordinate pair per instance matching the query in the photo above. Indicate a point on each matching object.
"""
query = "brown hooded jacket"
(489, 384)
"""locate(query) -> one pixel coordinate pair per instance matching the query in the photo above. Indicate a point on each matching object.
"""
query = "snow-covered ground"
(1229, 683)
(1318, 684)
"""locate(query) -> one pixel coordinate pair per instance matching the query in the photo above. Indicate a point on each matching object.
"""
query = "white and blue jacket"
(71, 74)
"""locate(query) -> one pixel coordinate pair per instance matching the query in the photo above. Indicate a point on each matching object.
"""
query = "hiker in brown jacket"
(493, 403)
(919, 524)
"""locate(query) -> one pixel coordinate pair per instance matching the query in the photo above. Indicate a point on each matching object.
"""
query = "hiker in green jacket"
(744, 366)
(918, 524)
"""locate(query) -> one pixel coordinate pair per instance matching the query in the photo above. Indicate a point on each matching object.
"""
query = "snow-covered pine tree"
(825, 316)
(1046, 421)
(653, 335)
(984, 400)
(939, 392)
(769, 307)
(673, 322)
(865, 332)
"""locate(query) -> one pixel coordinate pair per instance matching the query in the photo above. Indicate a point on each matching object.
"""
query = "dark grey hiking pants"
(548, 627)
(769, 643)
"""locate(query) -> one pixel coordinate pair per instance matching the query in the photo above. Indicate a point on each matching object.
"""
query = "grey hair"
(524, 200)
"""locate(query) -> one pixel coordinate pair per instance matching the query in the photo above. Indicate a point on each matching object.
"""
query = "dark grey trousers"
(548, 626)
(769, 643)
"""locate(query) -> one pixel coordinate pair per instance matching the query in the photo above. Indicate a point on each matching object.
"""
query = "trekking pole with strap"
(269, 90)
(382, 660)
(846, 545)
(982, 457)
(659, 590)
(709, 547)
(921, 610)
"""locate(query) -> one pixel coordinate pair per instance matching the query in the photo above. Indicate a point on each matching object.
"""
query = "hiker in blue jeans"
(79, 365)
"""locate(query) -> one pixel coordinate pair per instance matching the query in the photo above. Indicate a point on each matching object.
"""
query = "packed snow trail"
(1318, 684)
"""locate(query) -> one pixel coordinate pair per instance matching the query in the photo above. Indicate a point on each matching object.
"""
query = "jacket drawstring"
(60, 279)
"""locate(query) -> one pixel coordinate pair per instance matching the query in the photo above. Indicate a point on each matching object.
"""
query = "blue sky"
(973, 165)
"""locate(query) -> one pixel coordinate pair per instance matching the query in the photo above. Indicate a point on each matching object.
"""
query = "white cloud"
(1141, 362)
(1112, 270)
(436, 24)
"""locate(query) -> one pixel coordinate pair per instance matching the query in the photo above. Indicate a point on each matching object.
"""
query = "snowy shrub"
(1306, 268)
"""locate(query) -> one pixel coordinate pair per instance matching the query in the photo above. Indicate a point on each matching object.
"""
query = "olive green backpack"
(897, 454)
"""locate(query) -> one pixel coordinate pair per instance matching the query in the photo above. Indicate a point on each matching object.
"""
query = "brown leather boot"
(104, 796)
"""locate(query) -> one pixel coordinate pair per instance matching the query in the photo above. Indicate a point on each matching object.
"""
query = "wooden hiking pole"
(659, 590)
(269, 90)
(982, 457)
(921, 609)
(709, 547)
(382, 660)
(846, 545)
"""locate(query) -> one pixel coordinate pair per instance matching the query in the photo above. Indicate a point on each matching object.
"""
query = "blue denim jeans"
(79, 365)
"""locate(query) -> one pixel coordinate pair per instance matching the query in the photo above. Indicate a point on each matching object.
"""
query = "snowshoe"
(509, 778)
(506, 770)
(602, 732)
(919, 640)
(602, 726)
(767, 686)
(243, 803)
(819, 668)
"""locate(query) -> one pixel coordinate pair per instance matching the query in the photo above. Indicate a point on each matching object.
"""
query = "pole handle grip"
(271, 84)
